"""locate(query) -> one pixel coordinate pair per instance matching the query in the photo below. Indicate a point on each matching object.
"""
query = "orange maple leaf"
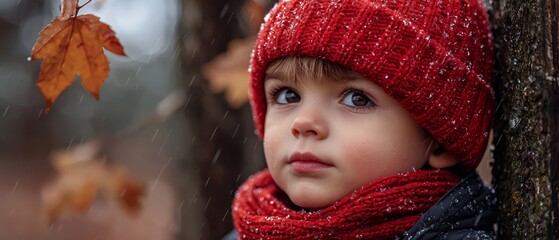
(227, 72)
(82, 178)
(74, 47)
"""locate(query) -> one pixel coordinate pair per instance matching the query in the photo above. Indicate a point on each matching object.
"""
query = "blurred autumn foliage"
(83, 172)
(228, 72)
(82, 177)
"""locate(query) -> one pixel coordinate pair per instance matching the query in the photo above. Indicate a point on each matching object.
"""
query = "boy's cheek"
(366, 156)
(272, 145)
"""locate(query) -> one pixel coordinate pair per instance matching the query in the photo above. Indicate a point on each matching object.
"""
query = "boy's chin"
(309, 194)
(310, 201)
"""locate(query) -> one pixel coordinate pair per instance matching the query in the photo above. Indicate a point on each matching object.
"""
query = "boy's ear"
(441, 158)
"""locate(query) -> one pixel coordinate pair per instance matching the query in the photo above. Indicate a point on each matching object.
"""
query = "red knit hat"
(434, 57)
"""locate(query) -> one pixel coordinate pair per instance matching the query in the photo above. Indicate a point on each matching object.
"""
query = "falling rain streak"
(161, 173)
(15, 186)
(223, 11)
(194, 198)
(207, 181)
(164, 142)
(208, 203)
(138, 71)
(236, 129)
(216, 156)
(6, 111)
(225, 216)
(213, 134)
(70, 145)
(154, 135)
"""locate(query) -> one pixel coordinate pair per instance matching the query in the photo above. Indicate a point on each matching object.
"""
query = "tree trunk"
(526, 119)
(223, 149)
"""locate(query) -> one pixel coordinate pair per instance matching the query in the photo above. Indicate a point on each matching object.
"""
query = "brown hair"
(294, 69)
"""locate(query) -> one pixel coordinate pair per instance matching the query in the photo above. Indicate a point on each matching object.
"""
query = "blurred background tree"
(217, 40)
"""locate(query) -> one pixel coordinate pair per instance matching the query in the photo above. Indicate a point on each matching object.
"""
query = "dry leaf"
(228, 72)
(81, 178)
(74, 47)
(105, 34)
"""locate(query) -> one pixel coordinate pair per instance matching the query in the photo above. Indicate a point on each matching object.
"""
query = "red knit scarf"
(382, 209)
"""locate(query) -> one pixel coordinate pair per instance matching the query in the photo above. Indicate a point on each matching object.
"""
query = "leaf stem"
(83, 5)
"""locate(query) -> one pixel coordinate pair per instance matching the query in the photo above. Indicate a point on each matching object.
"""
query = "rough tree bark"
(224, 149)
(526, 121)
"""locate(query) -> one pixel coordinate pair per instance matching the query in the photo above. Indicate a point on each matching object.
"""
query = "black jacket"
(467, 211)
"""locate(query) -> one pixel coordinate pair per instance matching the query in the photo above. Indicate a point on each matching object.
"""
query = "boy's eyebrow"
(275, 74)
(355, 76)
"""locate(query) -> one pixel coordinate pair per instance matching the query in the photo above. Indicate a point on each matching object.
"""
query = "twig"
(84, 4)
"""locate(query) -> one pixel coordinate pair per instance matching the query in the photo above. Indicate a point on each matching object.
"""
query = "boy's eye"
(287, 95)
(354, 98)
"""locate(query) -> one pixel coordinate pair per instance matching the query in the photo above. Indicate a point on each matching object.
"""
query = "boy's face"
(324, 139)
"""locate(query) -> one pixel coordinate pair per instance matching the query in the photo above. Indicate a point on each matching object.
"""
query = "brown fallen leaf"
(228, 72)
(74, 47)
(82, 177)
(83, 174)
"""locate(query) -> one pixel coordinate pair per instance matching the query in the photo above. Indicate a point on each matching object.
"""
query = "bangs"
(297, 69)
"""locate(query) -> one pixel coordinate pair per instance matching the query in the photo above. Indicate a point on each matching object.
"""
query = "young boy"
(374, 115)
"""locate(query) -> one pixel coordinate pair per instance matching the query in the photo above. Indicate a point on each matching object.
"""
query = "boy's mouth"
(307, 163)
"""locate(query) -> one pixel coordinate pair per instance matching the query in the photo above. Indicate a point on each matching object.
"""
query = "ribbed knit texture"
(382, 209)
(434, 57)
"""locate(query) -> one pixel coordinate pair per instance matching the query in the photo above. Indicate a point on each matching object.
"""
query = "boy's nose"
(309, 123)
